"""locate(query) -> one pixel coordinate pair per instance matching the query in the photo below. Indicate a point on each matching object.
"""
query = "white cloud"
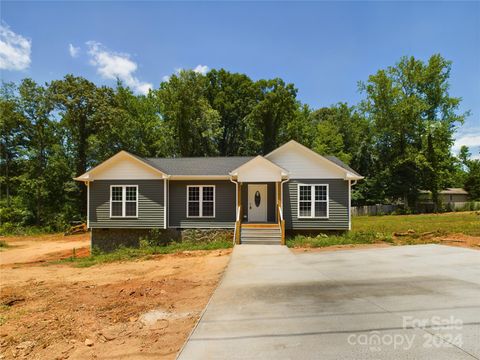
(469, 137)
(112, 65)
(201, 69)
(472, 141)
(73, 50)
(14, 49)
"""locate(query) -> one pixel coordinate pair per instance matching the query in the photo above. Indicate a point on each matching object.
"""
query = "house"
(448, 195)
(255, 198)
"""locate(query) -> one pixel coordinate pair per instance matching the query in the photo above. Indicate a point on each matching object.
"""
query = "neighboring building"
(449, 195)
(258, 198)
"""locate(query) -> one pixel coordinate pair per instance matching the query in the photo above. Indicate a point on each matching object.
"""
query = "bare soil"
(38, 248)
(126, 310)
(460, 240)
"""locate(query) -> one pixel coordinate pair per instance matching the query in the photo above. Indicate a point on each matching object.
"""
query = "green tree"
(300, 127)
(38, 131)
(470, 173)
(413, 118)
(11, 140)
(233, 96)
(440, 119)
(81, 108)
(267, 122)
(130, 122)
(472, 181)
(192, 126)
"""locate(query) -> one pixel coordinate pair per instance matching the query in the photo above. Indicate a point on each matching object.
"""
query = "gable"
(259, 169)
(303, 163)
(122, 166)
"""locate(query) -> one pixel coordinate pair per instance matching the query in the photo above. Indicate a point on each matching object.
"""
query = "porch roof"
(259, 169)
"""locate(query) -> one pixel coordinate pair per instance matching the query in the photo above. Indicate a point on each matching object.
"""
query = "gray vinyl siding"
(151, 209)
(225, 195)
(338, 206)
(271, 199)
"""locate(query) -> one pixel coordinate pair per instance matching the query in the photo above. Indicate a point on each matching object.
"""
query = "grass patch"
(126, 254)
(3, 244)
(8, 230)
(348, 238)
(467, 223)
(375, 229)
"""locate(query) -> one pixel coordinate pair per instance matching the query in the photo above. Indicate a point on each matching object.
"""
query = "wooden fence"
(373, 209)
(381, 209)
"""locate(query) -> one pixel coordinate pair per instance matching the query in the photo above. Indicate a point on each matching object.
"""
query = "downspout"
(350, 184)
(236, 191)
(281, 188)
(87, 184)
(165, 200)
(236, 209)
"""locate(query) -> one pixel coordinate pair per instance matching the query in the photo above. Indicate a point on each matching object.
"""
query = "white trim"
(87, 175)
(88, 204)
(257, 158)
(201, 226)
(349, 205)
(200, 202)
(124, 201)
(348, 174)
(199, 177)
(165, 203)
(168, 207)
(313, 201)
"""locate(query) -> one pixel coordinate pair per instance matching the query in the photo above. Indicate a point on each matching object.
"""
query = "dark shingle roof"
(213, 165)
(198, 165)
(340, 163)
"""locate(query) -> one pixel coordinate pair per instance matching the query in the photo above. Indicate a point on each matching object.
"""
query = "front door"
(257, 202)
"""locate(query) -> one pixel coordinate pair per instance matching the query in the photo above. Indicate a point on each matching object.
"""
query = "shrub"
(156, 237)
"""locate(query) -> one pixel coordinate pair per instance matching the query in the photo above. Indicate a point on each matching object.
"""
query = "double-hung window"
(124, 201)
(200, 201)
(313, 201)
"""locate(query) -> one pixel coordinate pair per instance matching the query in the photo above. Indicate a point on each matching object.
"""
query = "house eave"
(199, 177)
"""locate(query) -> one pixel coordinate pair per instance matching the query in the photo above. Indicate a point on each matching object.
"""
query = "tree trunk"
(7, 178)
(82, 163)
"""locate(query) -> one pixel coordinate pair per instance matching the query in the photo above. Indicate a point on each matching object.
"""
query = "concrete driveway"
(409, 302)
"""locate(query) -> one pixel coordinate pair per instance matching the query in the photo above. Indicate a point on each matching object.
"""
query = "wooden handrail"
(281, 221)
(238, 222)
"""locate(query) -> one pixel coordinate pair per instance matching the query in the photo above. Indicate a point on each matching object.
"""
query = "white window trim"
(124, 201)
(312, 201)
(200, 202)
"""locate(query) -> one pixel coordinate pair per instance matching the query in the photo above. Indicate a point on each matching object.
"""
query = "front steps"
(261, 234)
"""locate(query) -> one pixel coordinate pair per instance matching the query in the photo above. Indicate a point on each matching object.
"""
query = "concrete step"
(271, 232)
(270, 235)
(260, 242)
(260, 236)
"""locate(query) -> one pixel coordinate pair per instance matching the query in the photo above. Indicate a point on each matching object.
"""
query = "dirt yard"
(129, 310)
(28, 249)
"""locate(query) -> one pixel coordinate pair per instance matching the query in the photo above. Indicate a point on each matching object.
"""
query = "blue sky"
(324, 48)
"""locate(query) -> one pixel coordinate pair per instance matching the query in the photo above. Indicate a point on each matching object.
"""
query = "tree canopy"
(399, 136)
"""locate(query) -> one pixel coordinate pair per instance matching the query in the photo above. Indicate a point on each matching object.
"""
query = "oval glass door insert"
(257, 199)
